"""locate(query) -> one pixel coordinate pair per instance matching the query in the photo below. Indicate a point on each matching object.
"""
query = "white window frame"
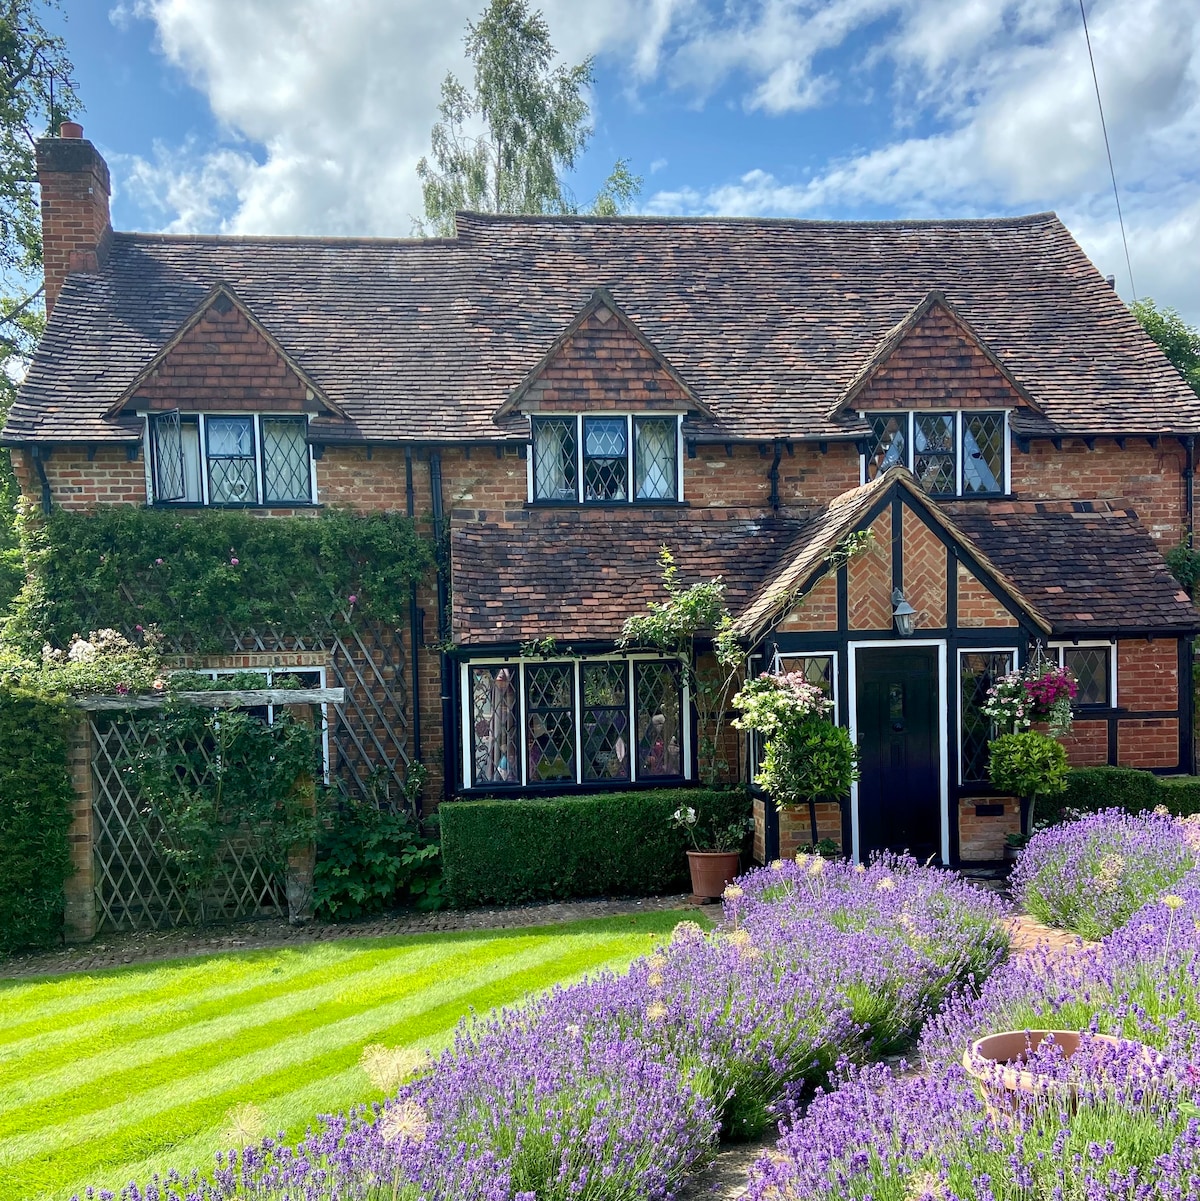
(466, 726)
(260, 466)
(213, 673)
(1057, 649)
(630, 454)
(1012, 653)
(910, 452)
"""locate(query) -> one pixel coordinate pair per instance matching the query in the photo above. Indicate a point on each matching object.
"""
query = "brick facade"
(869, 577)
(1148, 742)
(1147, 674)
(924, 572)
(1087, 744)
(817, 610)
(981, 837)
(977, 606)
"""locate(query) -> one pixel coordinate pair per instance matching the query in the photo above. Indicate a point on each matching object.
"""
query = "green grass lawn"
(110, 1076)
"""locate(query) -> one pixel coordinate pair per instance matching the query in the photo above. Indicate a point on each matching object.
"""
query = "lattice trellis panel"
(136, 886)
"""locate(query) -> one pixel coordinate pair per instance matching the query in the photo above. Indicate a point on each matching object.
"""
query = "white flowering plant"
(713, 836)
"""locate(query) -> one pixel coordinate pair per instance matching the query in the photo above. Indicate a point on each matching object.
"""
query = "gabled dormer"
(227, 411)
(606, 411)
(940, 402)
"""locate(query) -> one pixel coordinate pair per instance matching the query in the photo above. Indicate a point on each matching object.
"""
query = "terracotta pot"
(711, 871)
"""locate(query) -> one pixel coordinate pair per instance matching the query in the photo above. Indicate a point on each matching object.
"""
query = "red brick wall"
(603, 366)
(1148, 674)
(937, 365)
(223, 362)
(869, 579)
(817, 610)
(795, 827)
(76, 482)
(1150, 477)
(982, 839)
(1087, 744)
(924, 562)
(1148, 742)
(977, 607)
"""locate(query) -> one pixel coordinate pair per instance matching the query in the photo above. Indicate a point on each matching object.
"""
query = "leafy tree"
(1179, 341)
(37, 92)
(503, 147)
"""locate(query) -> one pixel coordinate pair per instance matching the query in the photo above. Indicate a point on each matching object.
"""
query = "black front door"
(899, 794)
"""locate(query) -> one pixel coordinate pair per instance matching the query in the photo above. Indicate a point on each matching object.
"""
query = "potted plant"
(1014, 844)
(715, 857)
(806, 758)
(1036, 692)
(1027, 765)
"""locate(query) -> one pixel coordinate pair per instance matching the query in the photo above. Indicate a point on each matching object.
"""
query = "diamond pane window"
(654, 458)
(605, 721)
(554, 465)
(495, 726)
(605, 458)
(888, 447)
(657, 719)
(979, 670)
(933, 452)
(1090, 666)
(231, 468)
(816, 669)
(983, 452)
(550, 722)
(287, 474)
(175, 448)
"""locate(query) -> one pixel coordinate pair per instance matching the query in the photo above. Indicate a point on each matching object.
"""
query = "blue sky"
(305, 116)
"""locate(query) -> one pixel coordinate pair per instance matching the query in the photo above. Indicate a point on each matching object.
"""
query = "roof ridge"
(481, 218)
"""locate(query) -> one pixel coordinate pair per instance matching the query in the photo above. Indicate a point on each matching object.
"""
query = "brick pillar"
(79, 923)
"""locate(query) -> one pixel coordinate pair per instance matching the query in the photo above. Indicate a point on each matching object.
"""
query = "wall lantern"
(904, 613)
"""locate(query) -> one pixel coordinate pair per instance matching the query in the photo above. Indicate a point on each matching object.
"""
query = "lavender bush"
(1091, 875)
(617, 1087)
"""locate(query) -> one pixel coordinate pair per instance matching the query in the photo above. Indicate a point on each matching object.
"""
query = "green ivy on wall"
(192, 574)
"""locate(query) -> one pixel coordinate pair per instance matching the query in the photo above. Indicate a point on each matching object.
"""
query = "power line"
(1108, 150)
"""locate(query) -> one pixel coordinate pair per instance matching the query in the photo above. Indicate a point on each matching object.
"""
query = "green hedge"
(623, 844)
(1090, 789)
(35, 815)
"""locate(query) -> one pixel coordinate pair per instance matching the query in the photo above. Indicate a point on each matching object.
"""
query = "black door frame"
(940, 706)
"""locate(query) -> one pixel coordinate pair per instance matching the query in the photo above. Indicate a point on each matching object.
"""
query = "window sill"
(607, 504)
(531, 791)
(270, 505)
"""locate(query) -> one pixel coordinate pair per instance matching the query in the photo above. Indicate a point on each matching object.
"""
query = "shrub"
(1092, 789)
(36, 799)
(1029, 765)
(503, 852)
(1092, 875)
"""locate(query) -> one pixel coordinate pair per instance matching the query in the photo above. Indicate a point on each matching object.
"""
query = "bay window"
(555, 723)
(962, 453)
(229, 459)
(605, 458)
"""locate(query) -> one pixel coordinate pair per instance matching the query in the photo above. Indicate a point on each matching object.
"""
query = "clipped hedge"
(504, 852)
(1091, 789)
(35, 814)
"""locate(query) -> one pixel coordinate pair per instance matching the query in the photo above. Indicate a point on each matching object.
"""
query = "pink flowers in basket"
(1036, 692)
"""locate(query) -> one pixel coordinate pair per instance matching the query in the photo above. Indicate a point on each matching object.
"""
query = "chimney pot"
(70, 129)
(1111, 280)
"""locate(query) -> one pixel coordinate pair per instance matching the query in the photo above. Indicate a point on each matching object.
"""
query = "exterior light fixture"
(904, 613)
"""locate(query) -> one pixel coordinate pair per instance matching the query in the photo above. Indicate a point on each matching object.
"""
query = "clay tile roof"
(576, 575)
(769, 322)
(1090, 566)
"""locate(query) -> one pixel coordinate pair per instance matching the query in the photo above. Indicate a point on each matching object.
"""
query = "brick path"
(116, 949)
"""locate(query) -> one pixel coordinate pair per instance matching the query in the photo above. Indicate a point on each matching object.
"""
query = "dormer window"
(962, 453)
(606, 458)
(224, 459)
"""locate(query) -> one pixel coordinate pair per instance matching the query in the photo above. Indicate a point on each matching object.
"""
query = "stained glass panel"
(168, 456)
(231, 468)
(550, 722)
(554, 465)
(933, 452)
(605, 721)
(495, 726)
(983, 452)
(1090, 666)
(979, 671)
(286, 468)
(654, 458)
(889, 447)
(605, 465)
(657, 719)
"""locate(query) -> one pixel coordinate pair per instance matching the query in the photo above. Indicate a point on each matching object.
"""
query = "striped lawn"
(111, 1076)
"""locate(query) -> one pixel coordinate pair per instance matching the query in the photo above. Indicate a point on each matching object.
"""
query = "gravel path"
(146, 946)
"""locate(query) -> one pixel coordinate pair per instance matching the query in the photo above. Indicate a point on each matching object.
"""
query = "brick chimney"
(75, 224)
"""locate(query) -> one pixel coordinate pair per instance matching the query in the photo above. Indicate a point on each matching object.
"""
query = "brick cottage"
(565, 396)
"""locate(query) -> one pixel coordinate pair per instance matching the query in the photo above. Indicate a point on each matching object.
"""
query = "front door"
(899, 793)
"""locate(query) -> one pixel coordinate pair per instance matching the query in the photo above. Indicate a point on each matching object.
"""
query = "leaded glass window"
(554, 459)
(654, 458)
(1091, 666)
(890, 443)
(550, 722)
(495, 725)
(287, 473)
(657, 719)
(983, 453)
(933, 453)
(175, 449)
(605, 724)
(978, 671)
(605, 458)
(231, 466)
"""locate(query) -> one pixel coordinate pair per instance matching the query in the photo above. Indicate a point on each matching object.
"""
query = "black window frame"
(1061, 650)
(907, 420)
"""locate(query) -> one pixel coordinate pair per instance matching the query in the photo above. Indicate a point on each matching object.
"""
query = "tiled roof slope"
(768, 322)
(1090, 566)
(576, 575)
